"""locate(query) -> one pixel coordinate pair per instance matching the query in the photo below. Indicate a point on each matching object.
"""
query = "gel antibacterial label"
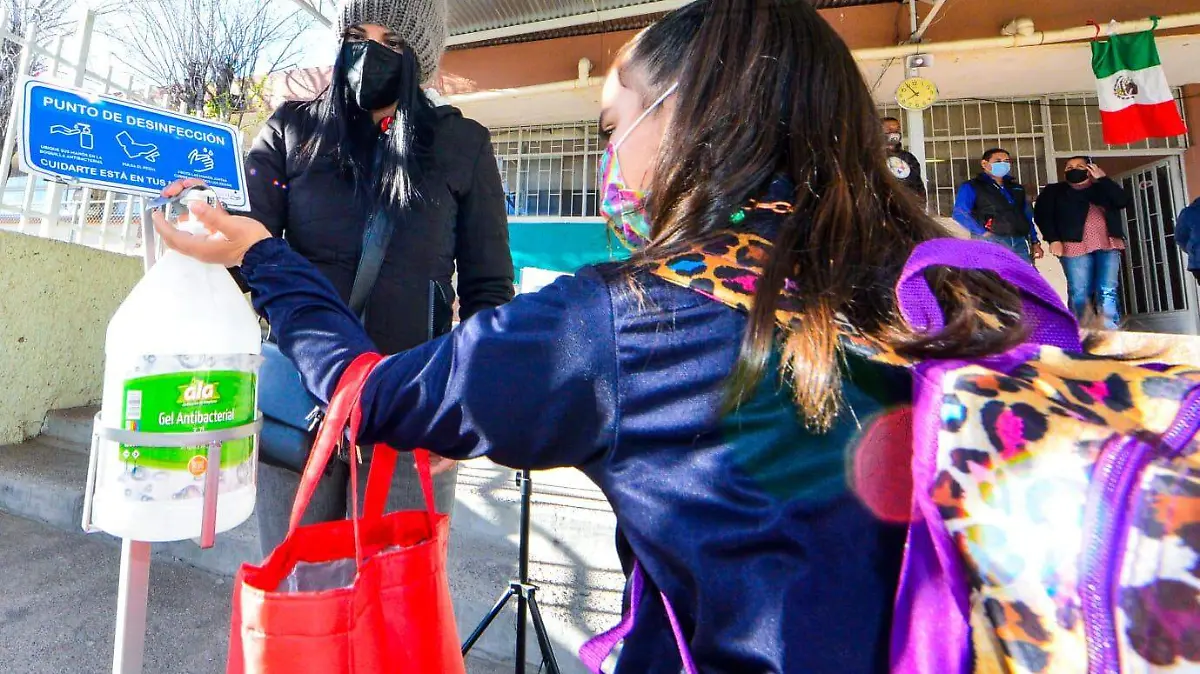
(187, 401)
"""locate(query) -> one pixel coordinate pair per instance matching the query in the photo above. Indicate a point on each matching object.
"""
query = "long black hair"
(768, 88)
(407, 154)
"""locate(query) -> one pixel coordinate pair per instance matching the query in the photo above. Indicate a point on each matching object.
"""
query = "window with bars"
(550, 171)
(1075, 126)
(957, 133)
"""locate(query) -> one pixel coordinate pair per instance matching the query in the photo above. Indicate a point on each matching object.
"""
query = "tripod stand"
(524, 591)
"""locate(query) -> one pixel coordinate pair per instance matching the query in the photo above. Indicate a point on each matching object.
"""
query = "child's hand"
(440, 464)
(231, 237)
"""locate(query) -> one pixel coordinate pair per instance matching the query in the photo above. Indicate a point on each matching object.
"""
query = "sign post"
(80, 138)
(72, 136)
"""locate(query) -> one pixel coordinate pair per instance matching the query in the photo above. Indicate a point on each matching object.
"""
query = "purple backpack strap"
(931, 623)
(931, 629)
(595, 652)
(1052, 323)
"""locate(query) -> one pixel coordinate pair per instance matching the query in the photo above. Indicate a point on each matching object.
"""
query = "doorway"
(1158, 292)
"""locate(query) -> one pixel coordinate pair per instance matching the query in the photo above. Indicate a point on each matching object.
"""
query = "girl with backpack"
(719, 386)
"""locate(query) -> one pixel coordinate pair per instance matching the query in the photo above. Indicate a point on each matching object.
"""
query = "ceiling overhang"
(488, 22)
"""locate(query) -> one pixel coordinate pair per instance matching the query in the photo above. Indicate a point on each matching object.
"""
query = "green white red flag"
(1136, 102)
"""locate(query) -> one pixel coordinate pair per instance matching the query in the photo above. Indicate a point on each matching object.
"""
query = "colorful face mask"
(623, 207)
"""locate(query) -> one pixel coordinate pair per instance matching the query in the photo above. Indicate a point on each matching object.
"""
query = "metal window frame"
(949, 124)
(577, 167)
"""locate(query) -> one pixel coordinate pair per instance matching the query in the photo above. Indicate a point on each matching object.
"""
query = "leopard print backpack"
(1056, 502)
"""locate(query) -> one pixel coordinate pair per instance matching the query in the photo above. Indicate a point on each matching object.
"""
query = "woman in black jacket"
(373, 146)
(1084, 222)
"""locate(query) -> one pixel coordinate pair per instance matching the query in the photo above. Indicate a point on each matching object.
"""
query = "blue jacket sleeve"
(1033, 232)
(1185, 226)
(964, 203)
(531, 384)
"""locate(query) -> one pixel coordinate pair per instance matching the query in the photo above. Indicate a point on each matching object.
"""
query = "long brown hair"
(767, 88)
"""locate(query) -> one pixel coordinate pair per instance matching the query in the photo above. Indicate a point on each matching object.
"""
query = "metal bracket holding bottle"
(213, 440)
(172, 207)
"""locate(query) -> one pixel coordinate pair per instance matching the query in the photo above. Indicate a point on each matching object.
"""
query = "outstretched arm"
(531, 384)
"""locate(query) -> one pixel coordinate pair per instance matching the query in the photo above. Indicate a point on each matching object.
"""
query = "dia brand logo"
(198, 392)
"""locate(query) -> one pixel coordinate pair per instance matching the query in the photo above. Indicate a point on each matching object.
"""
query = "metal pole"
(54, 197)
(133, 593)
(1039, 38)
(523, 569)
(914, 123)
(133, 590)
(10, 134)
(914, 127)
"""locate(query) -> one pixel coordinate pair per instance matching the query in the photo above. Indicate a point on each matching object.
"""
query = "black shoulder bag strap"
(376, 238)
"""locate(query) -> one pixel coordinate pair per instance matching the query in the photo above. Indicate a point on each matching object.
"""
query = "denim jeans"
(1093, 279)
(1017, 244)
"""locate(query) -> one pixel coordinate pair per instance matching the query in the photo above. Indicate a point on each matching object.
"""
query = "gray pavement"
(57, 599)
(58, 602)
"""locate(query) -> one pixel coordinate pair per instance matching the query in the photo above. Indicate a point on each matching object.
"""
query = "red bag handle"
(345, 408)
(344, 400)
(379, 482)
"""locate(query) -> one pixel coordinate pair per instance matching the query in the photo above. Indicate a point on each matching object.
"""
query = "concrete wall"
(1191, 160)
(55, 303)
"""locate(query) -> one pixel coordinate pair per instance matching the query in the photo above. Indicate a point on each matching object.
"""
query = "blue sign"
(100, 141)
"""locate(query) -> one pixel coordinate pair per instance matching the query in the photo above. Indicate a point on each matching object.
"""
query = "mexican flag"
(1136, 101)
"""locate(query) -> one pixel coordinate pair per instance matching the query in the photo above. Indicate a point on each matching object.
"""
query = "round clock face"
(916, 93)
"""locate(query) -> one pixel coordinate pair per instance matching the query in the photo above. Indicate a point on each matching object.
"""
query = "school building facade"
(1013, 73)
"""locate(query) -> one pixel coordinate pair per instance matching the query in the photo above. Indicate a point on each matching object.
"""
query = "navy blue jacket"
(1187, 236)
(744, 520)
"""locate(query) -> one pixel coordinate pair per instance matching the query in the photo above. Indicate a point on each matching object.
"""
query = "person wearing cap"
(373, 145)
(902, 163)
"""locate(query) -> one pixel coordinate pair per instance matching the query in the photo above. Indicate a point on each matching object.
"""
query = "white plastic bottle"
(182, 355)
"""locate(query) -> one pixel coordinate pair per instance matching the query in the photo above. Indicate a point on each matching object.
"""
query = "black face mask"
(374, 74)
(1077, 176)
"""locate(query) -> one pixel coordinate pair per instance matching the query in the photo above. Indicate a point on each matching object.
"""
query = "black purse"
(291, 415)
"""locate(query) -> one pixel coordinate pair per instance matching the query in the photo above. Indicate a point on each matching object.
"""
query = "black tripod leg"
(543, 636)
(487, 621)
(521, 623)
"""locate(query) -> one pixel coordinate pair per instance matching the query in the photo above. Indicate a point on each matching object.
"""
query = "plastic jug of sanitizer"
(180, 404)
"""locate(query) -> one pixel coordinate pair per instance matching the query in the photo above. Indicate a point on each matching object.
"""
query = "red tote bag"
(362, 596)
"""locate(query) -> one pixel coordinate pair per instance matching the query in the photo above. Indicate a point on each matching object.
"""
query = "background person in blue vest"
(1187, 235)
(902, 163)
(995, 207)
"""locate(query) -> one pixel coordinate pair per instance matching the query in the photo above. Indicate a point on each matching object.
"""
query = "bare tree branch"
(52, 18)
(211, 55)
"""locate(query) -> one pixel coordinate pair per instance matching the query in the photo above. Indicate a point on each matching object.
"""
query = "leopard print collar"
(727, 269)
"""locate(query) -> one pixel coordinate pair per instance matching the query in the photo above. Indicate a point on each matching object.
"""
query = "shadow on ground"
(58, 590)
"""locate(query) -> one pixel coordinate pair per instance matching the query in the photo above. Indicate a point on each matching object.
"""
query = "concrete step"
(41, 481)
(44, 481)
(72, 427)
